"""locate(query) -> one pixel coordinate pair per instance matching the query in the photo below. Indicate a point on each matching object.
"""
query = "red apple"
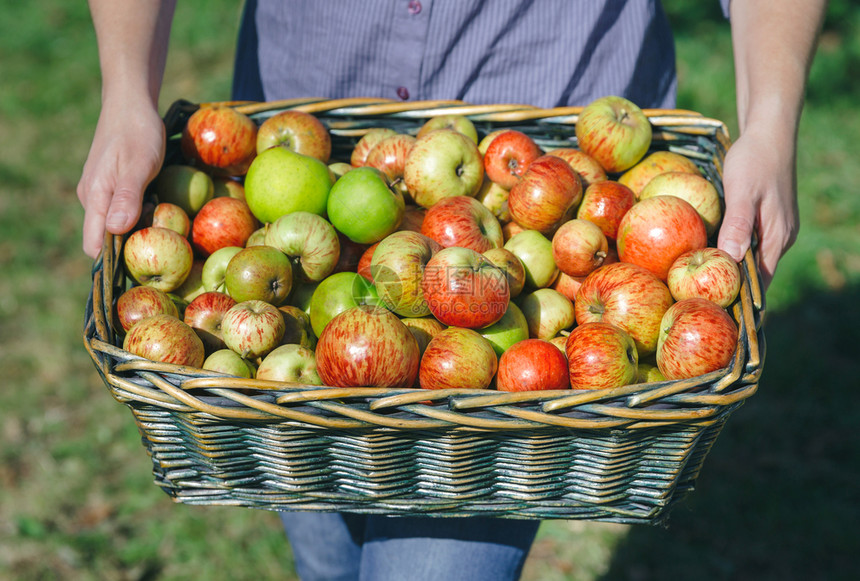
(458, 358)
(601, 356)
(708, 273)
(507, 157)
(604, 204)
(296, 130)
(166, 339)
(579, 247)
(441, 164)
(567, 285)
(222, 222)
(204, 314)
(389, 157)
(697, 336)
(172, 217)
(367, 347)
(252, 328)
(656, 231)
(546, 196)
(221, 138)
(532, 365)
(141, 302)
(654, 164)
(364, 261)
(693, 188)
(589, 170)
(158, 257)
(614, 131)
(462, 221)
(367, 142)
(423, 329)
(413, 218)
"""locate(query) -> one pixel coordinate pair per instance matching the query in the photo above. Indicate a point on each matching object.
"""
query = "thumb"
(737, 229)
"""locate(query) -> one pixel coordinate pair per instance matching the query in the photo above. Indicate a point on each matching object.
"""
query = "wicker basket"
(621, 455)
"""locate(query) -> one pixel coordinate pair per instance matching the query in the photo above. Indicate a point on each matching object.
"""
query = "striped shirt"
(538, 52)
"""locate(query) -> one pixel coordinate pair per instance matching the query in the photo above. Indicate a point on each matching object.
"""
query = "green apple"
(215, 268)
(281, 181)
(511, 328)
(337, 293)
(291, 363)
(229, 362)
(548, 312)
(298, 327)
(363, 206)
(459, 123)
(535, 252)
(443, 163)
(184, 185)
(301, 296)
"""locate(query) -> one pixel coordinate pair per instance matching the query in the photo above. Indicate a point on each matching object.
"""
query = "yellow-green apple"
(310, 240)
(579, 247)
(258, 236)
(221, 139)
(367, 142)
(649, 373)
(172, 217)
(423, 329)
(413, 217)
(546, 196)
(627, 296)
(296, 130)
(389, 157)
(567, 285)
(495, 198)
(337, 293)
(281, 181)
(510, 329)
(204, 314)
(252, 328)
(302, 294)
(158, 257)
(141, 302)
(458, 358)
(229, 363)
(507, 157)
(697, 336)
(601, 356)
(193, 284)
(458, 123)
(215, 268)
(222, 222)
(263, 273)
(228, 187)
(367, 347)
(708, 273)
(605, 203)
(654, 164)
(547, 312)
(464, 289)
(560, 342)
(443, 163)
(166, 339)
(183, 185)
(590, 172)
(297, 327)
(614, 131)
(535, 252)
(339, 168)
(656, 231)
(532, 365)
(462, 221)
(693, 188)
(485, 141)
(511, 266)
(363, 206)
(397, 268)
(290, 363)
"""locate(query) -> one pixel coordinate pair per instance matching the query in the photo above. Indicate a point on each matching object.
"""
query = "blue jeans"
(340, 547)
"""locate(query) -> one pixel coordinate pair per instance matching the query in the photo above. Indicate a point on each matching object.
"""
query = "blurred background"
(778, 497)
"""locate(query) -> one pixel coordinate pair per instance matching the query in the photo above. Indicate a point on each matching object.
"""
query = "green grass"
(777, 498)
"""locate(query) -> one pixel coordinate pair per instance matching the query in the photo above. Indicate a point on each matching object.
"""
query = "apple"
(349, 255)
(510, 329)
(604, 204)
(511, 266)
(547, 312)
(535, 252)
(281, 181)
(654, 164)
(443, 163)
(532, 365)
(507, 157)
(252, 328)
(309, 239)
(290, 363)
(413, 218)
(220, 138)
(230, 363)
(614, 131)
(258, 236)
(261, 273)
(648, 372)
(367, 347)
(363, 267)
(141, 302)
(458, 123)
(183, 185)
(228, 187)
(193, 284)
(458, 358)
(579, 247)
(546, 196)
(462, 221)
(397, 268)
(708, 273)
(656, 231)
(510, 229)
(694, 188)
(297, 327)
(464, 289)
(601, 356)
(367, 142)
(337, 293)
(485, 141)
(222, 222)
(590, 172)
(166, 339)
(423, 329)
(627, 296)
(158, 257)
(697, 336)
(295, 130)
(302, 294)
(495, 198)
(205, 313)
(214, 275)
(560, 343)
(364, 207)
(389, 157)
(172, 217)
(339, 168)
(567, 285)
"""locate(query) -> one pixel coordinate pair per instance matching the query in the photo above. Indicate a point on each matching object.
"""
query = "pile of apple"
(440, 259)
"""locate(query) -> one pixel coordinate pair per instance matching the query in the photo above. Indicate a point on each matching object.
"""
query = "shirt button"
(403, 93)
(414, 7)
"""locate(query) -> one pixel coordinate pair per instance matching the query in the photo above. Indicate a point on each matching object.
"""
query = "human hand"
(126, 154)
(760, 185)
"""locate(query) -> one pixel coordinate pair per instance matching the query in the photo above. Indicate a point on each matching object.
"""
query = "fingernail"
(116, 220)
